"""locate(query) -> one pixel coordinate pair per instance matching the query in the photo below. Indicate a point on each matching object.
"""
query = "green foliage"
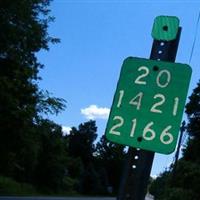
(81, 148)
(27, 140)
(90, 181)
(93, 166)
(52, 157)
(75, 167)
(10, 187)
(193, 111)
(184, 183)
(108, 151)
(33, 151)
(177, 194)
(187, 177)
(81, 141)
(158, 186)
(47, 104)
(69, 186)
(109, 155)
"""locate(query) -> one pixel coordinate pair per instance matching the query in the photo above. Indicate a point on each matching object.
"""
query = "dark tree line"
(99, 166)
(33, 149)
(23, 131)
(184, 182)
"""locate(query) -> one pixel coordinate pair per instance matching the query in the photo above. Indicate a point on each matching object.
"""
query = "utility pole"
(182, 129)
(138, 163)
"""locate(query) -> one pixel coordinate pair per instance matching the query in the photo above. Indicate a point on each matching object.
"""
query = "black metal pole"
(138, 165)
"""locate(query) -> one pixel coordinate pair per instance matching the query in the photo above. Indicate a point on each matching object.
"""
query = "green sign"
(148, 104)
(165, 28)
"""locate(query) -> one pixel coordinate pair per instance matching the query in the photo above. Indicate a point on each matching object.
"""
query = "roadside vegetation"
(182, 182)
(35, 156)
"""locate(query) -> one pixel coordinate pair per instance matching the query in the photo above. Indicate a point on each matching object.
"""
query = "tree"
(191, 153)
(24, 25)
(52, 159)
(81, 141)
(110, 157)
(81, 147)
(184, 183)
(162, 180)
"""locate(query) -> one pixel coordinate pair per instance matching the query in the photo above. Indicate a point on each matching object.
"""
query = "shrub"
(8, 186)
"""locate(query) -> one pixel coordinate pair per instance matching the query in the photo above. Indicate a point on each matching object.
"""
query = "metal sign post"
(148, 105)
(138, 163)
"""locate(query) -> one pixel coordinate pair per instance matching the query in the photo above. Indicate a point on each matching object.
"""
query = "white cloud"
(154, 176)
(66, 130)
(95, 112)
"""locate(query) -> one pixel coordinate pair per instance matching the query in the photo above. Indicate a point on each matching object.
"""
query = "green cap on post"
(165, 28)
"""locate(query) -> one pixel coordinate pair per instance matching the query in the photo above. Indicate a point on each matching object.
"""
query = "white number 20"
(163, 73)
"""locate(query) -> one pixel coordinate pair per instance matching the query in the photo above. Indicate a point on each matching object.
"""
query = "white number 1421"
(156, 106)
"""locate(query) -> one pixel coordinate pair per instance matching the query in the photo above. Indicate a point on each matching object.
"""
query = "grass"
(8, 186)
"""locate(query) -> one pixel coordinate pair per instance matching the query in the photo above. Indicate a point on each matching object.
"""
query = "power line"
(195, 38)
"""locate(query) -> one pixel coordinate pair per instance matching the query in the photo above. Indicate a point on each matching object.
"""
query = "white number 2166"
(148, 133)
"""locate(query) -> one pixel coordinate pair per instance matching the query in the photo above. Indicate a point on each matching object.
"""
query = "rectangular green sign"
(148, 104)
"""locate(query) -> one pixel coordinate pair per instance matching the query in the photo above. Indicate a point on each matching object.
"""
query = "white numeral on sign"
(134, 121)
(165, 134)
(176, 101)
(159, 103)
(168, 78)
(113, 129)
(155, 108)
(121, 94)
(140, 79)
(146, 72)
(136, 101)
(148, 133)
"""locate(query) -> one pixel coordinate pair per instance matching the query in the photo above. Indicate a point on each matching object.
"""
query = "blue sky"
(96, 36)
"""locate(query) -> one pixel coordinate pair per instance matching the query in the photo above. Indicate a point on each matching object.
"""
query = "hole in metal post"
(165, 28)
(134, 166)
(160, 52)
(162, 44)
(136, 157)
